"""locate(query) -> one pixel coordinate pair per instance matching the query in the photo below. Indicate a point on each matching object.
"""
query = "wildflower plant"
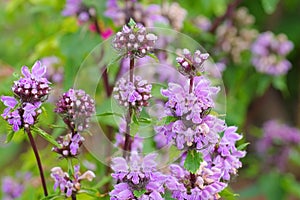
(209, 156)
(24, 107)
(153, 119)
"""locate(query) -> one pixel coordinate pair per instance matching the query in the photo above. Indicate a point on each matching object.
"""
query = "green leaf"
(168, 196)
(227, 194)
(243, 146)
(110, 113)
(134, 128)
(269, 5)
(132, 23)
(139, 193)
(91, 192)
(102, 182)
(152, 55)
(9, 136)
(167, 120)
(145, 120)
(53, 196)
(279, 82)
(45, 135)
(193, 161)
(135, 119)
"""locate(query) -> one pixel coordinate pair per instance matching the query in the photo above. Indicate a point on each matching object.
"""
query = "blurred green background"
(33, 29)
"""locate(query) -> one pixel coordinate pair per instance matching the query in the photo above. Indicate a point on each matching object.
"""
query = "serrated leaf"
(243, 146)
(9, 136)
(152, 55)
(227, 194)
(269, 5)
(45, 135)
(139, 193)
(193, 161)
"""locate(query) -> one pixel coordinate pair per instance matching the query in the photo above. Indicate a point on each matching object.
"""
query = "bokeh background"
(36, 29)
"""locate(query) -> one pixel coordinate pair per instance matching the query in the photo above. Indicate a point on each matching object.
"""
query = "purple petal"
(38, 69)
(9, 101)
(26, 72)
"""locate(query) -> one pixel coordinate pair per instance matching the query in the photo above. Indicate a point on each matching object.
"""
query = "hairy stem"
(127, 144)
(38, 160)
(230, 9)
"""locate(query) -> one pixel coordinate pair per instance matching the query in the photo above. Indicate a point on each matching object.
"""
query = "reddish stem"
(191, 84)
(127, 144)
(230, 9)
(38, 160)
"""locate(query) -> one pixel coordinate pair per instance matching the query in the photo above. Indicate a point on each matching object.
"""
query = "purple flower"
(277, 142)
(192, 127)
(226, 156)
(69, 145)
(203, 23)
(54, 69)
(135, 94)
(175, 14)
(148, 15)
(136, 174)
(14, 119)
(191, 65)
(206, 184)
(269, 53)
(69, 185)
(122, 191)
(10, 102)
(76, 108)
(77, 8)
(30, 112)
(134, 41)
(30, 91)
(11, 188)
(33, 87)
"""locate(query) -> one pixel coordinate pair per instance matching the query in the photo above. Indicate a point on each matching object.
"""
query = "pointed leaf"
(152, 55)
(91, 192)
(227, 194)
(109, 113)
(139, 193)
(166, 120)
(193, 161)
(243, 146)
(45, 135)
(9, 136)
